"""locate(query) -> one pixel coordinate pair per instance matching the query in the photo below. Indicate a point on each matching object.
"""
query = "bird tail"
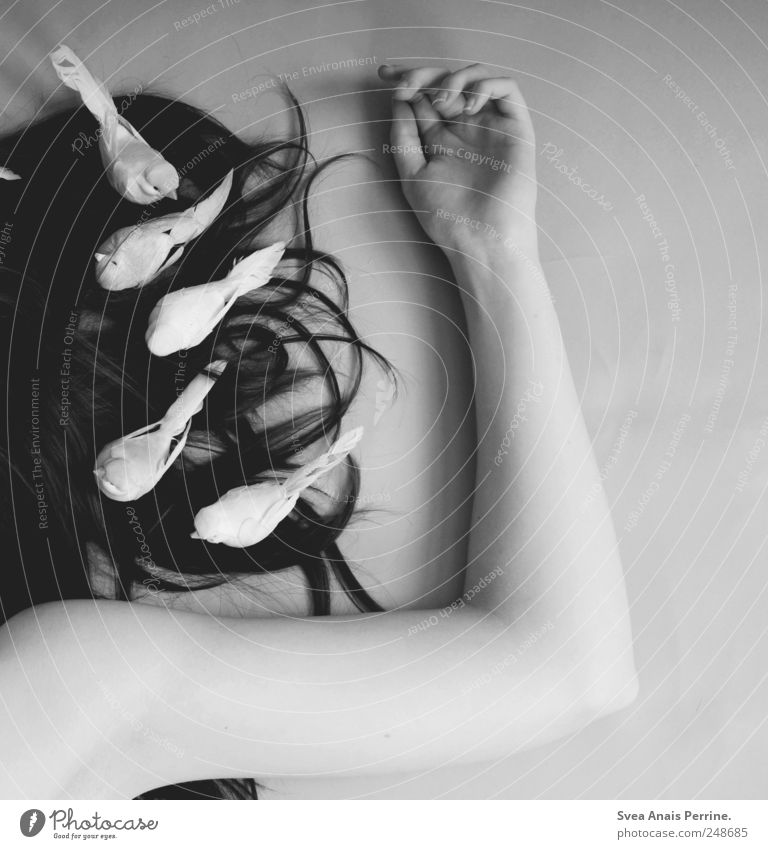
(191, 400)
(205, 211)
(7, 174)
(308, 474)
(73, 73)
(256, 269)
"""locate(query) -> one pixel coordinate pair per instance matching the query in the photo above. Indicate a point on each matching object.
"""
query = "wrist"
(488, 239)
(510, 263)
(497, 250)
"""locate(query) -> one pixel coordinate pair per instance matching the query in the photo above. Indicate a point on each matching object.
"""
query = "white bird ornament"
(134, 169)
(134, 256)
(248, 514)
(182, 319)
(131, 466)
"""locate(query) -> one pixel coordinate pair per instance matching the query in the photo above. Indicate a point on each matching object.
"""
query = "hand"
(465, 151)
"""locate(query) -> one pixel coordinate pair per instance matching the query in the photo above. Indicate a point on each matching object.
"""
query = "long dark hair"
(79, 373)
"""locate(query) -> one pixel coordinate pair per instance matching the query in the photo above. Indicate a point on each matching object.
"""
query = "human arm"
(108, 699)
(140, 696)
(465, 150)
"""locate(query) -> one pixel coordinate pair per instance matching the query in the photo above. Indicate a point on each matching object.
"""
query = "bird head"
(162, 176)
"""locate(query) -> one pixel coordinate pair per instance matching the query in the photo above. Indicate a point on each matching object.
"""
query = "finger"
(391, 72)
(427, 117)
(454, 84)
(408, 149)
(448, 109)
(505, 95)
(416, 79)
(430, 81)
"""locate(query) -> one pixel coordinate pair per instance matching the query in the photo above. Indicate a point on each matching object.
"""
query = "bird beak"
(173, 195)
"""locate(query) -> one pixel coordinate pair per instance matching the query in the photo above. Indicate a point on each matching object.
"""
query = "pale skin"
(128, 696)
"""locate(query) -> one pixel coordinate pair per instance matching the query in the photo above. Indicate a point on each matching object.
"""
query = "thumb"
(408, 147)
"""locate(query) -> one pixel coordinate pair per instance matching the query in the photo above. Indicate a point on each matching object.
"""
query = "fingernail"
(439, 97)
(470, 104)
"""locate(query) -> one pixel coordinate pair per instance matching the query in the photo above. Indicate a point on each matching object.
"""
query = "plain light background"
(593, 74)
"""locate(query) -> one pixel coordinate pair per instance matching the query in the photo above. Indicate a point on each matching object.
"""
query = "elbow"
(605, 698)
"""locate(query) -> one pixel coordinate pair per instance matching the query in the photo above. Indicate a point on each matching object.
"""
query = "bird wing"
(191, 400)
(171, 259)
(309, 473)
(205, 211)
(256, 269)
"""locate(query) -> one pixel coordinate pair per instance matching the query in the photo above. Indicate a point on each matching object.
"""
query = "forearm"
(535, 512)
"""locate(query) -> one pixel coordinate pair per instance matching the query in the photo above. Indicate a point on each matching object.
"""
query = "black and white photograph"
(384, 420)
